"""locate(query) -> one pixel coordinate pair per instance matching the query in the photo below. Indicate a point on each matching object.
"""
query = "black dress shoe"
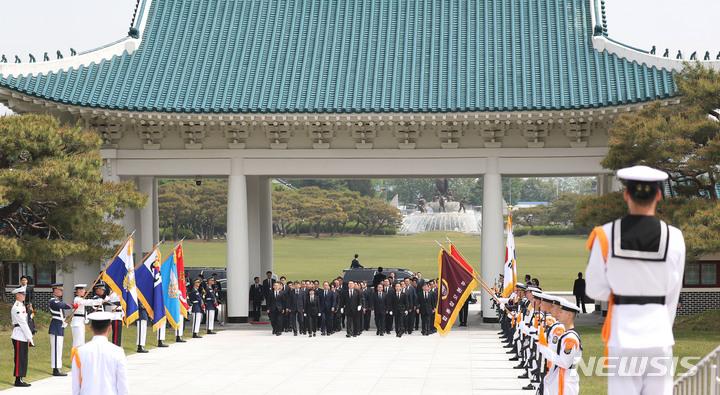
(196, 336)
(20, 383)
(382, 334)
(348, 335)
(161, 344)
(211, 333)
(529, 387)
(510, 352)
(141, 350)
(179, 339)
(57, 372)
(515, 358)
(523, 376)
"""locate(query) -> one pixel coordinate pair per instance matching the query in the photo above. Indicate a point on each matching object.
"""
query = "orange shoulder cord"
(599, 233)
(561, 381)
(74, 355)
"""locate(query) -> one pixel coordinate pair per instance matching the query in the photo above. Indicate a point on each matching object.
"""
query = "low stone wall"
(42, 298)
(698, 301)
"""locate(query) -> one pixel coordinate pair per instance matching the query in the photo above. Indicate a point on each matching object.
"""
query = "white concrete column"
(493, 251)
(253, 205)
(144, 240)
(156, 214)
(608, 183)
(238, 263)
(266, 231)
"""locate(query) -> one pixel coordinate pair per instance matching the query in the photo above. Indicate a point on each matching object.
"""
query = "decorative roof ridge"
(601, 42)
(127, 44)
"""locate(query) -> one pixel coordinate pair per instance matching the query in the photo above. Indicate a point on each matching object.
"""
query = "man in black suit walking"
(377, 305)
(398, 307)
(327, 309)
(352, 304)
(297, 300)
(276, 305)
(579, 292)
(256, 297)
(268, 284)
(428, 303)
(310, 311)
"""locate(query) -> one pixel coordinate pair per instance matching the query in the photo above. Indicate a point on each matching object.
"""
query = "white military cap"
(533, 288)
(100, 316)
(569, 306)
(537, 293)
(20, 290)
(642, 174)
(80, 285)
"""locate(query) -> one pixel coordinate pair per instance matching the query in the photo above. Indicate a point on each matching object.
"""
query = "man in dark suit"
(268, 285)
(378, 278)
(311, 309)
(579, 292)
(256, 297)
(398, 308)
(327, 309)
(377, 305)
(428, 303)
(297, 301)
(412, 306)
(276, 306)
(388, 289)
(366, 313)
(352, 304)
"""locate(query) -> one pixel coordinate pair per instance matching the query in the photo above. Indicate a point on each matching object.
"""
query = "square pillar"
(238, 261)
(492, 252)
(254, 224)
(145, 239)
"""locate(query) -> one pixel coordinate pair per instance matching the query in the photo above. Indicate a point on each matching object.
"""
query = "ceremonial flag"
(170, 289)
(145, 280)
(120, 276)
(461, 259)
(158, 300)
(456, 284)
(510, 273)
(184, 307)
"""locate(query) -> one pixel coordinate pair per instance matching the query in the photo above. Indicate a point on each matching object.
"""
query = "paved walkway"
(247, 359)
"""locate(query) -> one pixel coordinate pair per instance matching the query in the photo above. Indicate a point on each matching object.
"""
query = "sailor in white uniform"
(99, 367)
(21, 337)
(563, 350)
(636, 264)
(79, 318)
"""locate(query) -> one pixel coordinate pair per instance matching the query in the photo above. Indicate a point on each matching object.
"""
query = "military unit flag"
(171, 289)
(510, 272)
(158, 300)
(457, 281)
(145, 280)
(120, 276)
(184, 307)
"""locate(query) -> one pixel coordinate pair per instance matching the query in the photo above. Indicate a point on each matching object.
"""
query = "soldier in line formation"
(302, 307)
(539, 330)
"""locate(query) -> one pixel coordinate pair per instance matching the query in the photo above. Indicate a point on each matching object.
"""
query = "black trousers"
(21, 358)
(366, 319)
(257, 306)
(310, 323)
(298, 321)
(326, 320)
(388, 323)
(353, 322)
(464, 314)
(426, 325)
(380, 321)
(276, 320)
(117, 332)
(580, 301)
(400, 318)
(410, 322)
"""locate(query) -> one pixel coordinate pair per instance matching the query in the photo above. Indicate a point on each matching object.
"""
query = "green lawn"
(39, 356)
(554, 260)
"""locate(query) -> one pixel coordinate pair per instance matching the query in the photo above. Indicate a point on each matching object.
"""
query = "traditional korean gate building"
(252, 90)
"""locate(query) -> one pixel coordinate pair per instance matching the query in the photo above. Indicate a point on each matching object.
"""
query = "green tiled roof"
(280, 56)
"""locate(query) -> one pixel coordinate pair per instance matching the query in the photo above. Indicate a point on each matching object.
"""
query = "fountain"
(441, 214)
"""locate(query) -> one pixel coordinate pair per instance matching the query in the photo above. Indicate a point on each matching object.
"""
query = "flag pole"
(148, 254)
(100, 275)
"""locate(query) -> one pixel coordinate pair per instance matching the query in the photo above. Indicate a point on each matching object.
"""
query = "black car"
(207, 272)
(368, 273)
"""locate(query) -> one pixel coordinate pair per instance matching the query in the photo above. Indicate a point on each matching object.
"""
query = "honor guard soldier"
(196, 308)
(142, 328)
(79, 318)
(99, 367)
(211, 305)
(636, 264)
(21, 336)
(29, 302)
(562, 349)
(57, 328)
(117, 321)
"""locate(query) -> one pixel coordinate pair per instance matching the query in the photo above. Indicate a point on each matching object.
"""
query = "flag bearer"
(210, 306)
(21, 336)
(117, 320)
(636, 264)
(197, 307)
(563, 350)
(79, 319)
(57, 328)
(142, 321)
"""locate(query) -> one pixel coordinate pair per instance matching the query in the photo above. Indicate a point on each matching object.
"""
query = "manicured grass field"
(555, 260)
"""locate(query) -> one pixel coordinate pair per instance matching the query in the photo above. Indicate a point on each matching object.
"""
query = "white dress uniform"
(639, 262)
(99, 367)
(21, 338)
(79, 319)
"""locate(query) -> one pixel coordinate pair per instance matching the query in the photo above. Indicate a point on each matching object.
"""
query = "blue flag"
(145, 280)
(120, 276)
(158, 300)
(171, 291)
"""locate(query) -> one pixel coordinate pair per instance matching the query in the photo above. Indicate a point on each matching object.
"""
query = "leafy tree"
(531, 217)
(377, 214)
(682, 140)
(53, 202)
(564, 208)
(174, 205)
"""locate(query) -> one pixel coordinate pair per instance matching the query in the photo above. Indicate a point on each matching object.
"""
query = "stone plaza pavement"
(247, 359)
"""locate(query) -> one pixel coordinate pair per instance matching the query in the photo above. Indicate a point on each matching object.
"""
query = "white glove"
(342, 310)
(304, 314)
(64, 325)
(391, 313)
(319, 314)
(406, 313)
(32, 343)
(87, 321)
(359, 307)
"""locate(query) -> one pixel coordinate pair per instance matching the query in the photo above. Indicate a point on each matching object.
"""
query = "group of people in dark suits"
(303, 307)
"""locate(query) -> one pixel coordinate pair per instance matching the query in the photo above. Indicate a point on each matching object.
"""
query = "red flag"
(456, 284)
(184, 307)
(461, 259)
